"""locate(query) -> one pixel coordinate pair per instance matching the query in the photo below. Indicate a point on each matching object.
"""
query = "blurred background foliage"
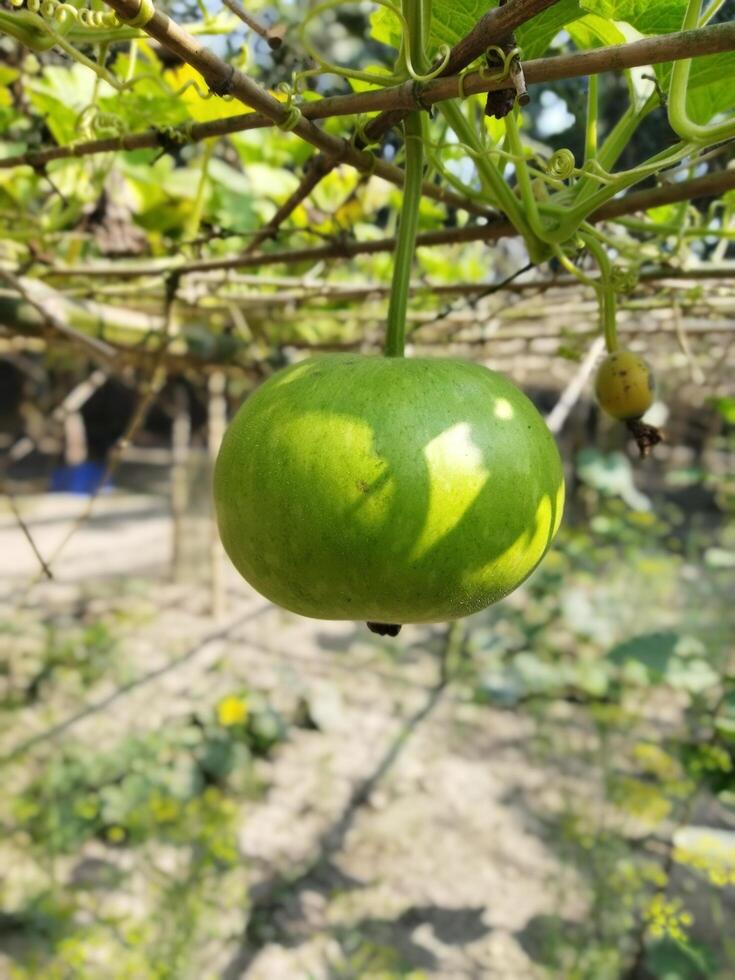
(122, 851)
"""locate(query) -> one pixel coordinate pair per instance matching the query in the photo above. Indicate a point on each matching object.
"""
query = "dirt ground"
(403, 820)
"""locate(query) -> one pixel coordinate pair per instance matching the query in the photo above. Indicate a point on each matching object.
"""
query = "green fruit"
(387, 489)
(624, 385)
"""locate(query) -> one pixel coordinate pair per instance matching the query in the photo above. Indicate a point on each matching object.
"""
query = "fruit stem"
(395, 337)
(606, 292)
(590, 139)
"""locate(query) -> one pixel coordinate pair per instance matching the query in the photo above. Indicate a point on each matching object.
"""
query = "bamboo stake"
(715, 39)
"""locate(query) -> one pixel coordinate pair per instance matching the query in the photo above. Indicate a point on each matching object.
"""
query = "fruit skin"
(387, 489)
(624, 385)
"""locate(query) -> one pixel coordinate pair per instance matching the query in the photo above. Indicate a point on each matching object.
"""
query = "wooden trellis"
(519, 323)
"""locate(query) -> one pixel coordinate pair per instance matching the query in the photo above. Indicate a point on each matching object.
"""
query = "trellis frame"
(392, 104)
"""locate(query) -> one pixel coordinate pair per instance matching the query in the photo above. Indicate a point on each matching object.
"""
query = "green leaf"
(647, 16)
(595, 32)
(676, 960)
(536, 36)
(60, 94)
(691, 674)
(265, 729)
(452, 21)
(710, 90)
(7, 76)
(725, 405)
(710, 83)
(725, 719)
(666, 657)
(646, 658)
(612, 475)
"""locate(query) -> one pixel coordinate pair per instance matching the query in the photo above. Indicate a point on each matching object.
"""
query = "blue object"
(84, 478)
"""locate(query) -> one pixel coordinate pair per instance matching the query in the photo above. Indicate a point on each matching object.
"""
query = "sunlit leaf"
(647, 16)
(612, 475)
(452, 21)
(646, 657)
(192, 91)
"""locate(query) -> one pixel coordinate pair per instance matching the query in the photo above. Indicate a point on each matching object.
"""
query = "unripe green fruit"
(392, 490)
(624, 385)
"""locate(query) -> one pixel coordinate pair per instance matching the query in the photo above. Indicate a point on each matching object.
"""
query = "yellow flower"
(232, 711)
(667, 918)
(164, 809)
(116, 834)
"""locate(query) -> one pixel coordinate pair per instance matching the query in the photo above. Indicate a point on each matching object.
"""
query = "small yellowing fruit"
(624, 385)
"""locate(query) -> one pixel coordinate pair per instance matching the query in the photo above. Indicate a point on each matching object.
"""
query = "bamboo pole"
(180, 438)
(217, 422)
(715, 39)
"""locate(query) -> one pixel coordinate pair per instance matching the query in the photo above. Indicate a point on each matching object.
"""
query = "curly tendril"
(506, 60)
(145, 13)
(443, 55)
(360, 137)
(542, 179)
(333, 69)
(180, 135)
(561, 165)
(44, 23)
(293, 114)
(292, 119)
(503, 70)
(92, 121)
(290, 90)
(623, 279)
(373, 78)
(66, 15)
(161, 83)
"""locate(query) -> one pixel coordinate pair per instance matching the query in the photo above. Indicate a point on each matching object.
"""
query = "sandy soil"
(404, 820)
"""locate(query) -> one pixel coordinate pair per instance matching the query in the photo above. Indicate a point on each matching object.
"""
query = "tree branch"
(223, 79)
(710, 185)
(53, 318)
(273, 36)
(715, 39)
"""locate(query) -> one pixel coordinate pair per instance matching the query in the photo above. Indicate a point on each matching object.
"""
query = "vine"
(407, 63)
(40, 25)
(679, 118)
(548, 201)
(417, 17)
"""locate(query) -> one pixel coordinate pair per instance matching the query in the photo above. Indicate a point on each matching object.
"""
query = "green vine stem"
(555, 222)
(605, 291)
(39, 25)
(395, 338)
(679, 118)
(417, 18)
(590, 135)
(195, 218)
(416, 13)
(491, 177)
(372, 78)
(616, 141)
(604, 287)
(413, 59)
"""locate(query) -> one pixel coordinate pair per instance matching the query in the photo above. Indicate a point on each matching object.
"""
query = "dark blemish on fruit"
(384, 629)
(361, 485)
